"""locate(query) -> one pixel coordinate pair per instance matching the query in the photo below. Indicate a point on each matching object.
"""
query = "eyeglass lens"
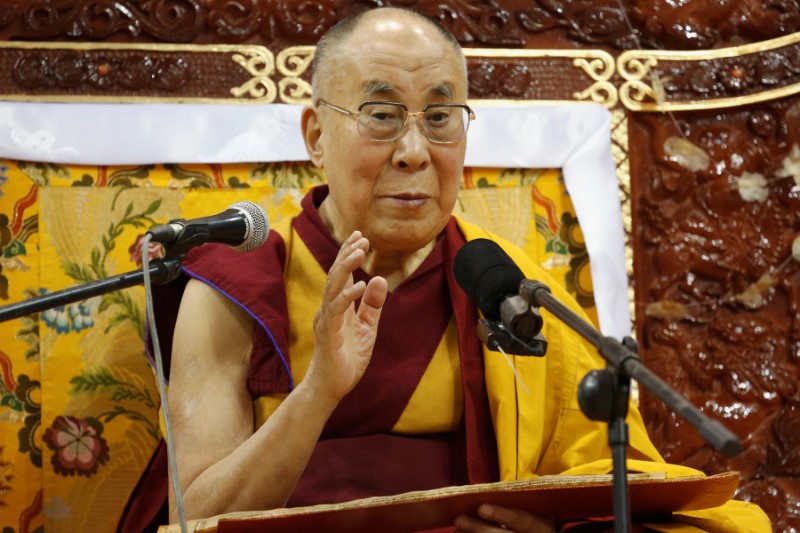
(386, 121)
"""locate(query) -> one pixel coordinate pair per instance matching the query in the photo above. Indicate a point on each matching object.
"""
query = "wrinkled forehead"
(433, 89)
(388, 59)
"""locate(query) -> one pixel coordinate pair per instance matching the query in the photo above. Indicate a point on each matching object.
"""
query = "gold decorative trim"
(637, 68)
(621, 153)
(292, 63)
(501, 102)
(265, 78)
(598, 65)
(259, 63)
(144, 47)
(256, 61)
(262, 77)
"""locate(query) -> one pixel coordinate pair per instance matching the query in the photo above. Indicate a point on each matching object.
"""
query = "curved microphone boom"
(243, 225)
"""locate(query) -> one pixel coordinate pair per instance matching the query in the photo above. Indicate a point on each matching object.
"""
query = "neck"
(393, 265)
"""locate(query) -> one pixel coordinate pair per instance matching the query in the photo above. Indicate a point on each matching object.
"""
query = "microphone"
(243, 225)
(486, 273)
(492, 281)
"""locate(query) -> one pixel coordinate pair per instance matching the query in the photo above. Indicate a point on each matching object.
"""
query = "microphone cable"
(151, 323)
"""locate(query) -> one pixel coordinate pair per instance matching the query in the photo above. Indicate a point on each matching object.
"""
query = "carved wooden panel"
(717, 269)
(716, 240)
(714, 189)
(250, 73)
(664, 81)
(91, 72)
(609, 24)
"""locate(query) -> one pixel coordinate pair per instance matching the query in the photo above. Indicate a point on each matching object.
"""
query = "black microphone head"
(486, 273)
(257, 225)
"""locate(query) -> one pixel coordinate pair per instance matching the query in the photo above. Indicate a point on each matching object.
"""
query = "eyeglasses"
(387, 121)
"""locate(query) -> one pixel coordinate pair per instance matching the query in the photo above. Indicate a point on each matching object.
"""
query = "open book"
(560, 498)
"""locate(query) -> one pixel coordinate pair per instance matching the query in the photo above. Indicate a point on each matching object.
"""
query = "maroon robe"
(357, 455)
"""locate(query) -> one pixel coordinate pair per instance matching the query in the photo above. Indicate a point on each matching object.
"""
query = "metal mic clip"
(496, 337)
(520, 318)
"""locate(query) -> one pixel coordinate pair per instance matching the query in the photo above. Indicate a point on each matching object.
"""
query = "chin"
(407, 239)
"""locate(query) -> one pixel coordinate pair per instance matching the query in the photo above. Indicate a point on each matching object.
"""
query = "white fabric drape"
(575, 138)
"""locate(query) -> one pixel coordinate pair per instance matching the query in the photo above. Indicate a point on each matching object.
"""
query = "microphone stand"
(604, 394)
(161, 271)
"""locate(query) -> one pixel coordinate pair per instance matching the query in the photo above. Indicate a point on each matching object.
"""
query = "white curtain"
(575, 138)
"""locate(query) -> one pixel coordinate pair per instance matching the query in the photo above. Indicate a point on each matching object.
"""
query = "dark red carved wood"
(654, 24)
(696, 241)
(65, 70)
(730, 77)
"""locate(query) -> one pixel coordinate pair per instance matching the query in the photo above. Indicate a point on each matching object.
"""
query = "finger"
(350, 240)
(339, 276)
(470, 524)
(351, 243)
(331, 315)
(345, 298)
(317, 316)
(369, 311)
(350, 257)
(515, 519)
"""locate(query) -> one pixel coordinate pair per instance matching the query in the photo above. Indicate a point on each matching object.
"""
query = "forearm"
(226, 465)
(262, 472)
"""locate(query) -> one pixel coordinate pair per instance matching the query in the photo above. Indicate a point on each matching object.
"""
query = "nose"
(412, 148)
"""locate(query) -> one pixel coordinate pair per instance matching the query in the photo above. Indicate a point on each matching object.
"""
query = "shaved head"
(399, 193)
(333, 45)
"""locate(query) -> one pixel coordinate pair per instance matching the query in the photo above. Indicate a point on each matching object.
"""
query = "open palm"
(344, 335)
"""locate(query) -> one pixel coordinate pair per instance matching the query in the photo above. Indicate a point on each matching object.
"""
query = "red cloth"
(147, 507)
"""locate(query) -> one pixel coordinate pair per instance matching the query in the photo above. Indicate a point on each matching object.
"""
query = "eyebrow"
(372, 87)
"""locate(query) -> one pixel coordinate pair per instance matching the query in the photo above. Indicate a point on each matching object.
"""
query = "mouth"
(409, 199)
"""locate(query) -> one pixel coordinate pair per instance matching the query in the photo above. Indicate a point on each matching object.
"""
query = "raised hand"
(345, 335)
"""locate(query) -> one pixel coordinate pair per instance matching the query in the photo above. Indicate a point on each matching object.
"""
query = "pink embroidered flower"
(154, 250)
(78, 445)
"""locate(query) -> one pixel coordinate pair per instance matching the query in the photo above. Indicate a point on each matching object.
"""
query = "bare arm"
(224, 463)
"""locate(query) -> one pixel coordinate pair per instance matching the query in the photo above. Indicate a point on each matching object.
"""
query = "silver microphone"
(243, 225)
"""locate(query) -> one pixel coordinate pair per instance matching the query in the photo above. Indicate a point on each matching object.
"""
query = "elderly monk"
(340, 360)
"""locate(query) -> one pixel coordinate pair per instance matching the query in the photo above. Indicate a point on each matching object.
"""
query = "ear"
(312, 134)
